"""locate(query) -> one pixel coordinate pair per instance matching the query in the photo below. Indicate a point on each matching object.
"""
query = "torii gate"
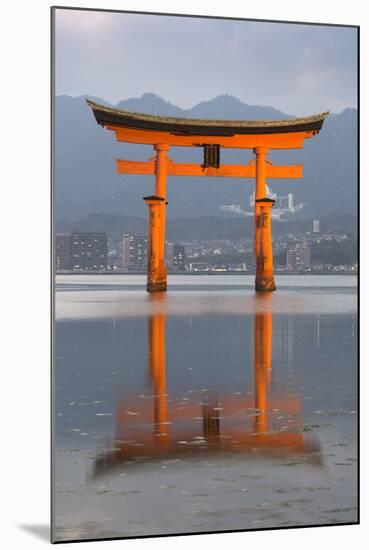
(164, 132)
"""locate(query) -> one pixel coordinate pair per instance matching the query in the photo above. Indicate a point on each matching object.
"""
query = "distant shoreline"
(204, 273)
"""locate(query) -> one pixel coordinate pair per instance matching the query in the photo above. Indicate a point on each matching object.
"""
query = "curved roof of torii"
(109, 116)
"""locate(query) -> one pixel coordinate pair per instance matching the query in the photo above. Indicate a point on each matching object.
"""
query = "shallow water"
(205, 408)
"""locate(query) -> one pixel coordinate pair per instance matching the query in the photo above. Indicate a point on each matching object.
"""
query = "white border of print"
(25, 218)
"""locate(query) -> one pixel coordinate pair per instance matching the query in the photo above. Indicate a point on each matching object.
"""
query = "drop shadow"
(40, 531)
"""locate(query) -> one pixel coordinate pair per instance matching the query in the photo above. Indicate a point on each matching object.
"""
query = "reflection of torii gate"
(163, 132)
(159, 427)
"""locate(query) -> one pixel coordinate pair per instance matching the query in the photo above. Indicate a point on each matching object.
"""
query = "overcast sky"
(300, 69)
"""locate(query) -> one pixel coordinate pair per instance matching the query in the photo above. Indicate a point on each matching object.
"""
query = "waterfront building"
(179, 257)
(169, 246)
(316, 226)
(63, 258)
(199, 266)
(134, 252)
(298, 256)
(89, 251)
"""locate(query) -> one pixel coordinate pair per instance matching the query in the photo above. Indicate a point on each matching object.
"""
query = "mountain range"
(85, 153)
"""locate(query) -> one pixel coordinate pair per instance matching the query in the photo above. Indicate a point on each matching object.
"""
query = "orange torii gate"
(163, 132)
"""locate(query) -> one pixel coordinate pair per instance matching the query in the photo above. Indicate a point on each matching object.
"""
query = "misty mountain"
(228, 107)
(203, 227)
(151, 103)
(85, 153)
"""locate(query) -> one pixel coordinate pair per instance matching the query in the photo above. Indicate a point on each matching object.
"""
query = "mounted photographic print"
(205, 329)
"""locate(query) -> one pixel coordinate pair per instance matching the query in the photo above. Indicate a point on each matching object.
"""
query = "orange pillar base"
(157, 277)
(265, 283)
(156, 286)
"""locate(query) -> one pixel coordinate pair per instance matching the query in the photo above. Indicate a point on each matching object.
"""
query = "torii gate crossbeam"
(212, 135)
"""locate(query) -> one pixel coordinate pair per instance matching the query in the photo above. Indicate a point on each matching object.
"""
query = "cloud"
(300, 69)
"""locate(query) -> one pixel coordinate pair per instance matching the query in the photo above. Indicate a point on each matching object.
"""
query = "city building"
(134, 252)
(298, 256)
(199, 266)
(284, 206)
(316, 226)
(179, 257)
(89, 251)
(169, 246)
(63, 258)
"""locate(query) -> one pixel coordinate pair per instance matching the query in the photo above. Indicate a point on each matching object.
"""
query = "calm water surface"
(205, 408)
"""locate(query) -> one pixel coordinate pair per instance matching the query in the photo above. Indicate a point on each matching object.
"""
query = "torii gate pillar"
(161, 181)
(156, 270)
(264, 280)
